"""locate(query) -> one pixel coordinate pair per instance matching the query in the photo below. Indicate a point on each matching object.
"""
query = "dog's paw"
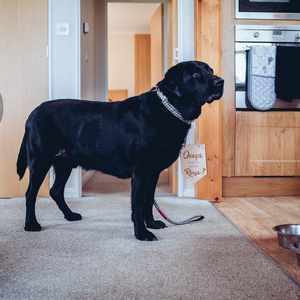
(73, 217)
(145, 236)
(33, 227)
(156, 224)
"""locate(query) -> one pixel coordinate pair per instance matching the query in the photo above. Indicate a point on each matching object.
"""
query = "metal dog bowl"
(296, 248)
(288, 234)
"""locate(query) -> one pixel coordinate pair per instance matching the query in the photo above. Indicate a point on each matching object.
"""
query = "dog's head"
(189, 85)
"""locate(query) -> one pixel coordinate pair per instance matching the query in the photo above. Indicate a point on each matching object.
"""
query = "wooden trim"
(117, 95)
(156, 31)
(261, 186)
(88, 53)
(142, 62)
(228, 72)
(23, 83)
(172, 43)
(209, 125)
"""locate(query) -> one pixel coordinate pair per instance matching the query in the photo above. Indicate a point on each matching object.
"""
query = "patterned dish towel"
(261, 77)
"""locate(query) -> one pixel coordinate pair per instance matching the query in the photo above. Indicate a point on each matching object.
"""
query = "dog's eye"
(196, 76)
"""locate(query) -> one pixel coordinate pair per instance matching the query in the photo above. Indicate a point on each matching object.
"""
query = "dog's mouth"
(214, 97)
(218, 88)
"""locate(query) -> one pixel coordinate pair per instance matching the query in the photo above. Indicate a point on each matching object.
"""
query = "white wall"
(186, 46)
(125, 20)
(121, 61)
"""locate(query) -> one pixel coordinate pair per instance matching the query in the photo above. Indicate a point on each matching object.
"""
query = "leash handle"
(184, 222)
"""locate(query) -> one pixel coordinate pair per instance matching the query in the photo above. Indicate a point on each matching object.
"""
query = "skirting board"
(86, 176)
(261, 186)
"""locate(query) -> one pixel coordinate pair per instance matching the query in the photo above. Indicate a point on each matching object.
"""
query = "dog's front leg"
(151, 186)
(138, 202)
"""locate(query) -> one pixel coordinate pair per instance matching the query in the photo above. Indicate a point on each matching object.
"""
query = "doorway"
(135, 63)
(59, 66)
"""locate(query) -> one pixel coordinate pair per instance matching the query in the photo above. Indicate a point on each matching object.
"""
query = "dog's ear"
(173, 87)
(171, 82)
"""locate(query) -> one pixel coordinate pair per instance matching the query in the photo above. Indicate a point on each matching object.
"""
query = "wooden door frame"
(172, 40)
(210, 123)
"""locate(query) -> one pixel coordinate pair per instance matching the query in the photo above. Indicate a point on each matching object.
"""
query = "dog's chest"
(161, 156)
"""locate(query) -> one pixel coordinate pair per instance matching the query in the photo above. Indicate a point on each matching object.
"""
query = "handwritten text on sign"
(193, 162)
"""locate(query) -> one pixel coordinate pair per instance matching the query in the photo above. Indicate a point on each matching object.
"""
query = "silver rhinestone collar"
(170, 107)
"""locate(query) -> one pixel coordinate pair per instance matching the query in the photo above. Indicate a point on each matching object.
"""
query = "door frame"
(186, 50)
(74, 184)
(210, 124)
(183, 48)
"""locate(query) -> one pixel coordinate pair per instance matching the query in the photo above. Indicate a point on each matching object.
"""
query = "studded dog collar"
(170, 107)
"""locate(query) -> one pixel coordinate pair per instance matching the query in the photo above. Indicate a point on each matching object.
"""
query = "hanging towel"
(287, 82)
(261, 77)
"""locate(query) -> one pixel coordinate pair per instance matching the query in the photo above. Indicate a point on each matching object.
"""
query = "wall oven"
(256, 67)
(268, 9)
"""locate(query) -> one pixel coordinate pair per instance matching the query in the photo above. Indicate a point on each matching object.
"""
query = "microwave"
(268, 9)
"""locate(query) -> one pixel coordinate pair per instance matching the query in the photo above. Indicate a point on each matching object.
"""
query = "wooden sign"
(193, 162)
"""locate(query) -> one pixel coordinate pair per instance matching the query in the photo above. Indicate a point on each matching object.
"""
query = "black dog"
(136, 138)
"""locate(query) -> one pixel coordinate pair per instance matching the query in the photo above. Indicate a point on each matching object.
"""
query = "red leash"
(187, 221)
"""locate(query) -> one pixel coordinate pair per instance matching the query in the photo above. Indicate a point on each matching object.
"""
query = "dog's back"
(94, 134)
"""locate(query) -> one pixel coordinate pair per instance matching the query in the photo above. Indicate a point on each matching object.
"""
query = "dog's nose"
(218, 81)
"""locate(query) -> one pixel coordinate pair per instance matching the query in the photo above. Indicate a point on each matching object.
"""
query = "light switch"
(62, 29)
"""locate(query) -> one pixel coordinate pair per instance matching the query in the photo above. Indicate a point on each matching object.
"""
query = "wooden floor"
(257, 216)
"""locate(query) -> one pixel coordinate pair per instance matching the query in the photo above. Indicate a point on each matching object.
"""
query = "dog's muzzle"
(218, 88)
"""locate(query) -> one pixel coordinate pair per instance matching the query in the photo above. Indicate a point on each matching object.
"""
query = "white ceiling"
(130, 17)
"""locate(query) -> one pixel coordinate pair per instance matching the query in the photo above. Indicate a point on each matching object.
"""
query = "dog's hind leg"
(150, 222)
(63, 168)
(38, 170)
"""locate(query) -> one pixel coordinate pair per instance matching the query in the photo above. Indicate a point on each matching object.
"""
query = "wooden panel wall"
(23, 81)
(209, 126)
(156, 31)
(142, 61)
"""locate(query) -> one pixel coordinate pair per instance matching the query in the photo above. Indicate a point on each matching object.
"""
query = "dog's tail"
(22, 158)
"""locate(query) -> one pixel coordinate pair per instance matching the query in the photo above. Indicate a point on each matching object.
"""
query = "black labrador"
(136, 138)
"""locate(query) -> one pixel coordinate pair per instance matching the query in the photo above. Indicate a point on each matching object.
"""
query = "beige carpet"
(98, 258)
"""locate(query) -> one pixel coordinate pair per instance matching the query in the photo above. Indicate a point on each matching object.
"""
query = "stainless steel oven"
(248, 36)
(268, 9)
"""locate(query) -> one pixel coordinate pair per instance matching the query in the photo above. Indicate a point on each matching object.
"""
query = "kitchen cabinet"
(267, 143)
